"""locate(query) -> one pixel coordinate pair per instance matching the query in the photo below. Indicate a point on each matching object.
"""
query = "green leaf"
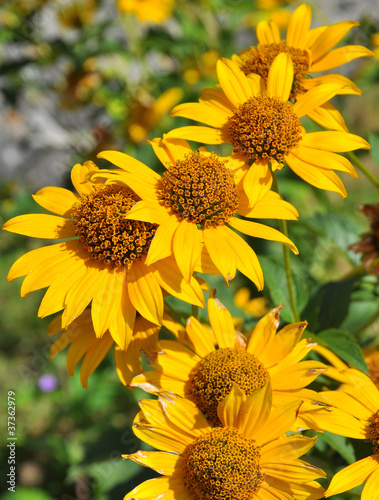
(339, 444)
(334, 302)
(26, 494)
(344, 345)
(276, 283)
(374, 141)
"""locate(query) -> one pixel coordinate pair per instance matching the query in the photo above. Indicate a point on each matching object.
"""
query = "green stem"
(287, 261)
(357, 162)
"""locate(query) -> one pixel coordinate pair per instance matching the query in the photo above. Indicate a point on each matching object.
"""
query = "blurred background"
(79, 77)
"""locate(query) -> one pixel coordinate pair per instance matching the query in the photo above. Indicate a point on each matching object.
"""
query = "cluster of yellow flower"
(131, 236)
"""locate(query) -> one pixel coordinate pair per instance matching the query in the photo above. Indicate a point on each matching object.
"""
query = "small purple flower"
(48, 382)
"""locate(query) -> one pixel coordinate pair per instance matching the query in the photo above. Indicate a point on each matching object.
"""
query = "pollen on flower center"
(264, 128)
(259, 60)
(103, 230)
(212, 378)
(374, 431)
(222, 465)
(200, 189)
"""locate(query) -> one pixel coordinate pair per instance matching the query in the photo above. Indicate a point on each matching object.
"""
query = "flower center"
(105, 233)
(259, 60)
(222, 465)
(264, 128)
(374, 431)
(212, 378)
(200, 189)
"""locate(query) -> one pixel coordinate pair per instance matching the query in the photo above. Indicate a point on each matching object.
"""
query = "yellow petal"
(122, 326)
(54, 298)
(184, 414)
(145, 292)
(228, 409)
(124, 372)
(287, 448)
(216, 99)
(215, 241)
(93, 358)
(155, 382)
(261, 231)
(267, 33)
(43, 271)
(257, 181)
(278, 423)
(264, 332)
(78, 349)
(353, 475)
(295, 472)
(199, 338)
(371, 488)
(246, 259)
(202, 112)
(312, 36)
(187, 247)
(205, 135)
(255, 411)
(41, 226)
(298, 27)
(80, 175)
(318, 177)
(157, 487)
(327, 116)
(176, 360)
(330, 37)
(56, 199)
(296, 376)
(315, 97)
(105, 303)
(131, 165)
(221, 322)
(272, 206)
(340, 56)
(148, 211)
(168, 276)
(365, 387)
(79, 296)
(161, 462)
(334, 141)
(161, 245)
(280, 77)
(170, 150)
(233, 81)
(326, 160)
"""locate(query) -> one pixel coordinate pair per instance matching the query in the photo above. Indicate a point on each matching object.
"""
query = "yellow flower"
(205, 368)
(264, 127)
(81, 338)
(146, 113)
(359, 397)
(249, 456)
(101, 260)
(155, 11)
(256, 307)
(312, 52)
(193, 204)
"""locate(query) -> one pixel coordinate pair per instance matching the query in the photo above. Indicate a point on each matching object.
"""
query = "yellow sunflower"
(359, 397)
(101, 260)
(154, 11)
(264, 127)
(312, 51)
(212, 359)
(84, 344)
(194, 203)
(249, 456)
